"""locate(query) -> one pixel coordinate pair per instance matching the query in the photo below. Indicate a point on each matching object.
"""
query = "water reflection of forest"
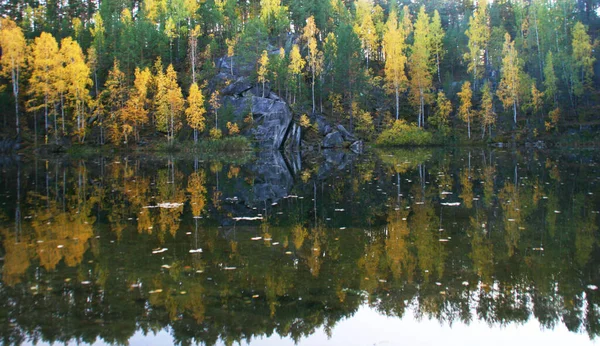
(102, 248)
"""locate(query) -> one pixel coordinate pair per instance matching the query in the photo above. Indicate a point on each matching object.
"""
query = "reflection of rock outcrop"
(273, 178)
(335, 160)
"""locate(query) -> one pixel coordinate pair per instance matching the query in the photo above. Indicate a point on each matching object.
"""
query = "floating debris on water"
(247, 218)
(451, 204)
(166, 205)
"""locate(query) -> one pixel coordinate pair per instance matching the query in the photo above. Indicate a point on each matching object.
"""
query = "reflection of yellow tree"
(314, 259)
(489, 176)
(511, 208)
(396, 245)
(467, 188)
(169, 191)
(275, 286)
(482, 251)
(197, 190)
(368, 265)
(17, 257)
(299, 233)
(431, 253)
(585, 231)
(62, 235)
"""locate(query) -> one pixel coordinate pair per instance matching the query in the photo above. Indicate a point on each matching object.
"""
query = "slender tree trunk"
(537, 38)
(515, 111)
(62, 111)
(469, 127)
(397, 103)
(437, 58)
(46, 112)
(313, 90)
(15, 80)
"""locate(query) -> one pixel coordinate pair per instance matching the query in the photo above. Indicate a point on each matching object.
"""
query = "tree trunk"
(313, 90)
(437, 57)
(397, 103)
(15, 80)
(469, 127)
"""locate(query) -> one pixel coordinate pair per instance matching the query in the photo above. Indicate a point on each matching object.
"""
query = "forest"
(393, 72)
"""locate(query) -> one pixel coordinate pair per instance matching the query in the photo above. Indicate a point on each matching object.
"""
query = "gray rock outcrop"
(272, 116)
(333, 140)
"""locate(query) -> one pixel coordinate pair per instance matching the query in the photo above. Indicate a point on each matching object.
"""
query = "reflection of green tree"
(482, 251)
(290, 288)
(586, 228)
(431, 253)
(399, 258)
(511, 209)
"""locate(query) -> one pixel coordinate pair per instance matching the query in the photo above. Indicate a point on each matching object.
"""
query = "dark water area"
(461, 246)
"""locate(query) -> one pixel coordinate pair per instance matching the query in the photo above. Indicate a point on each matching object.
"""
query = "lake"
(461, 247)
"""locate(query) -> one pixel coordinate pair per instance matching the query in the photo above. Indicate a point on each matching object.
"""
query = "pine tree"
(195, 111)
(583, 59)
(466, 105)
(441, 116)
(12, 60)
(550, 80)
(114, 97)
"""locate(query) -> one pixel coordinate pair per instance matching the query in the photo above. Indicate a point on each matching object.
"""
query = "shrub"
(403, 133)
(215, 133)
(232, 128)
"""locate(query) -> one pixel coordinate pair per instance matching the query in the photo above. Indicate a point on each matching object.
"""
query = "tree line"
(86, 69)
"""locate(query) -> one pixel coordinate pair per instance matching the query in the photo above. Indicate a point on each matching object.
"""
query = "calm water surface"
(459, 247)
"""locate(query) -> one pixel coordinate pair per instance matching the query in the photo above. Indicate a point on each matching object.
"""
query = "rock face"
(333, 140)
(272, 116)
(272, 120)
(347, 135)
